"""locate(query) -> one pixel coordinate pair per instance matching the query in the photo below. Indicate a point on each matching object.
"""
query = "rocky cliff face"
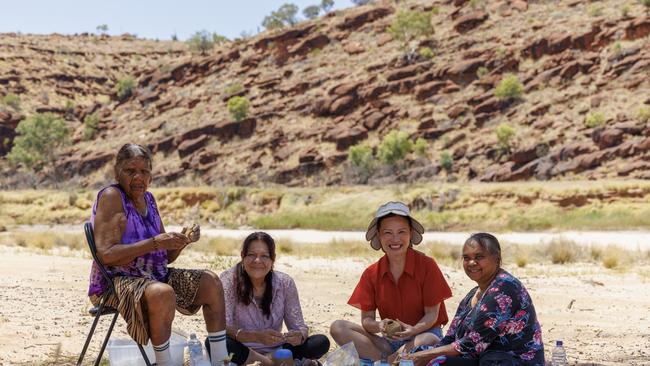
(322, 86)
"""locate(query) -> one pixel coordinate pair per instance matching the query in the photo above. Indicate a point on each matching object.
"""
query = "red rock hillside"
(324, 85)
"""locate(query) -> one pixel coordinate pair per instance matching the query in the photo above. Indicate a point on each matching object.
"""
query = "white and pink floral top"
(285, 306)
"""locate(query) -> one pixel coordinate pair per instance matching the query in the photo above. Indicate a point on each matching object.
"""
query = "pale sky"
(145, 18)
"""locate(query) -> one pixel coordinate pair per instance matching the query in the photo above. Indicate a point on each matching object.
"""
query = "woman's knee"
(212, 281)
(160, 296)
(339, 327)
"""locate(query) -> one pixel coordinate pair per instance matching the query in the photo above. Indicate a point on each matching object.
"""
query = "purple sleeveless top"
(152, 265)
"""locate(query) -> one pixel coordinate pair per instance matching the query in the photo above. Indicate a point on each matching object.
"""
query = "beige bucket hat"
(397, 208)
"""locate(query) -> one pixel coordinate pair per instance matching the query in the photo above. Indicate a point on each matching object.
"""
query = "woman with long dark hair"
(258, 300)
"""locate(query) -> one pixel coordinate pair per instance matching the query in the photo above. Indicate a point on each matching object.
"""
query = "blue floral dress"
(503, 320)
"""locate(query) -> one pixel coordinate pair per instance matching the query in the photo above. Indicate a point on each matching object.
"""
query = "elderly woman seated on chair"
(135, 248)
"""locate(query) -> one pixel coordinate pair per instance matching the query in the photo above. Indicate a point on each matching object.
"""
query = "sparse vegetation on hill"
(124, 87)
(202, 42)
(317, 88)
(238, 108)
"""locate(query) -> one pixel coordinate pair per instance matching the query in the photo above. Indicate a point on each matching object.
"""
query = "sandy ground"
(602, 315)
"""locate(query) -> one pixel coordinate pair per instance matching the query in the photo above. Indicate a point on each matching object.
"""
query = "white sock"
(163, 354)
(218, 349)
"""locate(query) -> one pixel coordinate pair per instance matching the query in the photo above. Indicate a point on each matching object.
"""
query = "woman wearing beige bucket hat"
(404, 285)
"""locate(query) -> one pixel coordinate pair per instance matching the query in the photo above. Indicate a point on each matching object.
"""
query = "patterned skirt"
(130, 303)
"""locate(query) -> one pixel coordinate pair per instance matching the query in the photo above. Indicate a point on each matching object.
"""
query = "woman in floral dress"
(495, 323)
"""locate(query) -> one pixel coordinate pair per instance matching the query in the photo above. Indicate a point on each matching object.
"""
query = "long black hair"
(243, 281)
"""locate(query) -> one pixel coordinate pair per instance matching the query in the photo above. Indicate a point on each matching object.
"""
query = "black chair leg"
(89, 337)
(108, 335)
(144, 355)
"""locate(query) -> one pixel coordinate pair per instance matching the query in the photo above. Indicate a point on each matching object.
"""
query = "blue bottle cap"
(558, 342)
(282, 354)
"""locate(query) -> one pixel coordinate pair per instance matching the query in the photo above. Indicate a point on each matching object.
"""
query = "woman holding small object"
(495, 323)
(135, 248)
(258, 300)
(404, 285)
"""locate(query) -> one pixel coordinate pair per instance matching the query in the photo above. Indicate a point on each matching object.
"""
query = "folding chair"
(102, 308)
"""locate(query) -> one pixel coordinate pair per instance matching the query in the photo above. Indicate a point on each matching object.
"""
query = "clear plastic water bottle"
(405, 362)
(559, 355)
(195, 349)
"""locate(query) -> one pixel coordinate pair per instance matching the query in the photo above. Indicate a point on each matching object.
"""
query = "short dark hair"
(129, 151)
(488, 242)
(243, 281)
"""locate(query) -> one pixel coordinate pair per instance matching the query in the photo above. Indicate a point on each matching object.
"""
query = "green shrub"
(411, 25)
(311, 12)
(482, 71)
(360, 156)
(69, 106)
(504, 133)
(234, 88)
(12, 100)
(201, 42)
(238, 108)
(446, 161)
(595, 119)
(643, 113)
(91, 123)
(426, 52)
(420, 147)
(124, 87)
(38, 137)
(509, 88)
(394, 147)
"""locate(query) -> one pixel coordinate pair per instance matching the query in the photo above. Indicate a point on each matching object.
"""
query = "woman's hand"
(407, 332)
(171, 241)
(195, 234)
(294, 337)
(421, 358)
(270, 337)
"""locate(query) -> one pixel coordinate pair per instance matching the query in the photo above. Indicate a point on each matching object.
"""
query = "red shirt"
(421, 285)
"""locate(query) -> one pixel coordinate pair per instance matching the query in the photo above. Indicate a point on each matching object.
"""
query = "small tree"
(394, 147)
(238, 108)
(102, 28)
(420, 147)
(446, 162)
(410, 26)
(360, 2)
(201, 42)
(360, 156)
(38, 138)
(91, 123)
(285, 15)
(218, 39)
(505, 133)
(311, 12)
(327, 5)
(509, 88)
(124, 87)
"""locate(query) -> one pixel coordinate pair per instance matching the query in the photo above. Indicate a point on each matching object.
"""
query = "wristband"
(155, 243)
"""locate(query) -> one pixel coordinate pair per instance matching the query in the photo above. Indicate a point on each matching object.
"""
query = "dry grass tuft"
(563, 251)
